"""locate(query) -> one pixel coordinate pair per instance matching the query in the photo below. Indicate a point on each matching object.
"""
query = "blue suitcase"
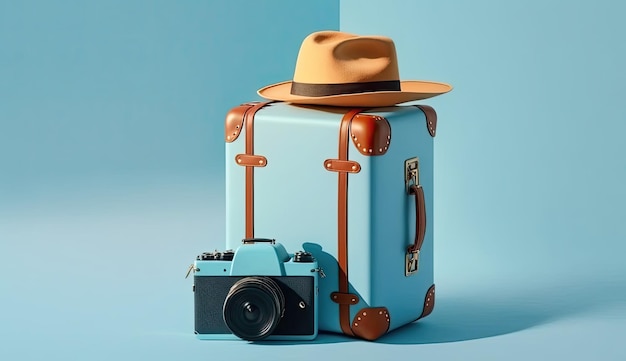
(354, 187)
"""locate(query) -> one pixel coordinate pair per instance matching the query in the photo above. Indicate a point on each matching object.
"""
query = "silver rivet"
(238, 160)
(365, 149)
(380, 149)
(353, 168)
(380, 312)
(228, 137)
(356, 324)
(370, 150)
(389, 137)
(335, 297)
(302, 304)
(236, 127)
(364, 313)
(358, 144)
(261, 161)
(328, 165)
(358, 318)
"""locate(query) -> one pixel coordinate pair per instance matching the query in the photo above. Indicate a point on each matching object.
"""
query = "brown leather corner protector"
(251, 160)
(234, 122)
(371, 323)
(337, 165)
(429, 302)
(431, 118)
(371, 134)
(344, 298)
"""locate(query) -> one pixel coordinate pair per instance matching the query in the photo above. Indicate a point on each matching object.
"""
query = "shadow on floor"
(487, 314)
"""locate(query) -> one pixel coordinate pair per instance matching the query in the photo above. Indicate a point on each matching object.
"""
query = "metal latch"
(320, 271)
(412, 262)
(411, 173)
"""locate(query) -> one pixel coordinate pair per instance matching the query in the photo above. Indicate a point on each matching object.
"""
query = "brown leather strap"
(420, 217)
(249, 125)
(342, 207)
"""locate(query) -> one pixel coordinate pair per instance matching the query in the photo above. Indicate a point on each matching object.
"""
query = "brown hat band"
(322, 90)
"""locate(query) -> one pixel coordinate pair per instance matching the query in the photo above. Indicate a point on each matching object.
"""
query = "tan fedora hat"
(341, 69)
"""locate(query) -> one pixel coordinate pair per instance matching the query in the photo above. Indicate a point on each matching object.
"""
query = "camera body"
(254, 293)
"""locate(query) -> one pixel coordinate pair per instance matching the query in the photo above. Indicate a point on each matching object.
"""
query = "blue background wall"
(111, 175)
(530, 153)
(111, 162)
(529, 172)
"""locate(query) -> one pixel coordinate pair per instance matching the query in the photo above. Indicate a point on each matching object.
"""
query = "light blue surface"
(111, 117)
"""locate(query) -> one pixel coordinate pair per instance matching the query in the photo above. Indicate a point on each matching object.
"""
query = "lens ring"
(253, 307)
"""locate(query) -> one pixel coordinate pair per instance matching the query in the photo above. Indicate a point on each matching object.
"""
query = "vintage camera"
(257, 292)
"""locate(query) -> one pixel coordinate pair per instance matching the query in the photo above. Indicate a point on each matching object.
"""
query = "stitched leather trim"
(431, 119)
(251, 160)
(429, 302)
(371, 134)
(371, 323)
(344, 298)
(337, 165)
(234, 122)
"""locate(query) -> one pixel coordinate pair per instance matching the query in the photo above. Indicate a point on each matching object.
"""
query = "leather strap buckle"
(412, 259)
(411, 173)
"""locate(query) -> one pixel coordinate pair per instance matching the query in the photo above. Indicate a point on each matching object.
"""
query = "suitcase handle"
(413, 251)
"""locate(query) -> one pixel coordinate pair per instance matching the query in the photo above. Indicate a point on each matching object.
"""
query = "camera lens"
(253, 308)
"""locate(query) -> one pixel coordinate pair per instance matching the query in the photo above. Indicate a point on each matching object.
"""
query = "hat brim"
(409, 90)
